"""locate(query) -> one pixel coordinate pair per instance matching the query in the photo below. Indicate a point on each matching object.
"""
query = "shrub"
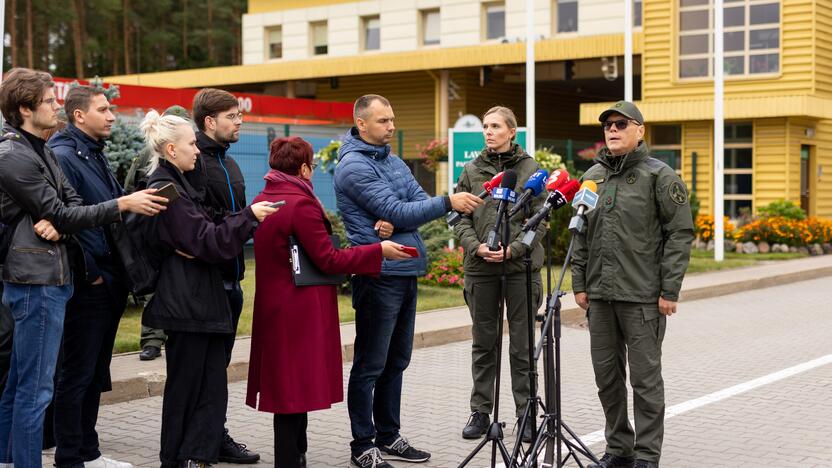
(695, 204)
(781, 230)
(782, 208)
(705, 227)
(433, 153)
(436, 235)
(549, 160)
(447, 269)
(328, 156)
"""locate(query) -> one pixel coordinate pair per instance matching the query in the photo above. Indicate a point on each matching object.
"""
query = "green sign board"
(466, 145)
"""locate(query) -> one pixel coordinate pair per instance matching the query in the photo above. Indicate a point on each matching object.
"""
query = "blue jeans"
(385, 313)
(38, 313)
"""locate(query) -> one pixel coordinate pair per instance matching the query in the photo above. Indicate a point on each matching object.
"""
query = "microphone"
(505, 193)
(585, 201)
(533, 187)
(454, 217)
(557, 199)
(557, 179)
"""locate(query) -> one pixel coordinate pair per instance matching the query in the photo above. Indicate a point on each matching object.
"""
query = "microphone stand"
(552, 426)
(495, 430)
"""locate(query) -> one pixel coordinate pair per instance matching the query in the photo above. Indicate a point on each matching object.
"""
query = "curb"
(150, 384)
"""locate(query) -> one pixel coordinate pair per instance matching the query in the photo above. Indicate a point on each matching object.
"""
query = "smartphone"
(168, 191)
(412, 251)
(277, 204)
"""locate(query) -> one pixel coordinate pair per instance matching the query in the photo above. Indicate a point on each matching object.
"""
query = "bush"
(446, 270)
(783, 209)
(781, 230)
(339, 230)
(705, 228)
(436, 235)
(695, 204)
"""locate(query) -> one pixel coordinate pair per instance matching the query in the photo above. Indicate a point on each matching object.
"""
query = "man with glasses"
(627, 271)
(218, 179)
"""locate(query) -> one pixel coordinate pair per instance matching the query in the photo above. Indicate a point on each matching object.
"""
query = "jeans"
(385, 314)
(38, 313)
(90, 328)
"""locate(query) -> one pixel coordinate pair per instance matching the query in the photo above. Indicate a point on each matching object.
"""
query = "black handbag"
(304, 271)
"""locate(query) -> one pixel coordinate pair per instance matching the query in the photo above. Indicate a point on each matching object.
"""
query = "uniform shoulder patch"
(677, 193)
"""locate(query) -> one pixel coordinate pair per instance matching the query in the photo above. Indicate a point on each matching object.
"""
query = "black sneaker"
(613, 461)
(645, 464)
(232, 452)
(371, 458)
(477, 425)
(150, 353)
(401, 450)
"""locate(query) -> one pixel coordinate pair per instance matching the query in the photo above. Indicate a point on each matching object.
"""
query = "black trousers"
(196, 397)
(289, 439)
(90, 326)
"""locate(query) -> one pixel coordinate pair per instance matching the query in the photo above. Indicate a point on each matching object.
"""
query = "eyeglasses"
(49, 101)
(234, 117)
(619, 124)
(312, 166)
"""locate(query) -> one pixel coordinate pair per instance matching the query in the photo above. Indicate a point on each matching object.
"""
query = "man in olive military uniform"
(627, 270)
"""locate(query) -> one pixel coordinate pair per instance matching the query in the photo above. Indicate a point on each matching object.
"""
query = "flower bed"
(447, 269)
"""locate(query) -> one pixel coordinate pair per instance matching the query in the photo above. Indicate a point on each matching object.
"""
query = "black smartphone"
(168, 191)
(277, 204)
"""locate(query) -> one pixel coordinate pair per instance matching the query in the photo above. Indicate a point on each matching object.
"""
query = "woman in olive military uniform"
(483, 270)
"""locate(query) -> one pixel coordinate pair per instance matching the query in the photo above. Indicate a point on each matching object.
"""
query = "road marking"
(690, 405)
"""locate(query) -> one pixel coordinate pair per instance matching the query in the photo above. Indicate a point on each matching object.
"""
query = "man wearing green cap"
(627, 270)
(152, 339)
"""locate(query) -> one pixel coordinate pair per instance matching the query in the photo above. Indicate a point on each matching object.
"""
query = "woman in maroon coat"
(295, 364)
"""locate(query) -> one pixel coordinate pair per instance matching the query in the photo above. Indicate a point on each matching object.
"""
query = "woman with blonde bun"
(190, 303)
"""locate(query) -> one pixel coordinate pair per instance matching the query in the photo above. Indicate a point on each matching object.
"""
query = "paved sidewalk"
(137, 379)
(711, 346)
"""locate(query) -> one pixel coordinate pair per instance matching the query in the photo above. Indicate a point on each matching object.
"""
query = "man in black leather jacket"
(43, 212)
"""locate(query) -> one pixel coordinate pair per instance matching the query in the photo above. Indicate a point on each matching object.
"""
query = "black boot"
(232, 452)
(613, 461)
(477, 425)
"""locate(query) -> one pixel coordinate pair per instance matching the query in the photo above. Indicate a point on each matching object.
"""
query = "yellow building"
(439, 59)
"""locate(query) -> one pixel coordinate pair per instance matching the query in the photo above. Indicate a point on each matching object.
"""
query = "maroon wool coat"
(295, 363)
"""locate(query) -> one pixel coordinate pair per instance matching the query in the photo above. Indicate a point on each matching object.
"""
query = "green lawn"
(430, 297)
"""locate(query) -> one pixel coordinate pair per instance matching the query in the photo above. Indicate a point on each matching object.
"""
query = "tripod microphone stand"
(552, 427)
(495, 430)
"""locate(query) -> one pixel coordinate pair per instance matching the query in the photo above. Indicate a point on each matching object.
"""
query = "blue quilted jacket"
(371, 183)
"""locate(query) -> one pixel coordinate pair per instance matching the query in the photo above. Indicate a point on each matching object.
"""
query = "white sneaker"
(104, 462)
(6, 465)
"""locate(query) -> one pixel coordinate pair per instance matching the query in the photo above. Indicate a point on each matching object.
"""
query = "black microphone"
(556, 200)
(506, 195)
(533, 187)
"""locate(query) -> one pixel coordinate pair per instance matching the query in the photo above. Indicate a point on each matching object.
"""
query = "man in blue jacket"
(96, 307)
(373, 184)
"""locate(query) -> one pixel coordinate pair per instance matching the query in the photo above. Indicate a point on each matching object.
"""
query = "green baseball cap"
(625, 108)
(178, 111)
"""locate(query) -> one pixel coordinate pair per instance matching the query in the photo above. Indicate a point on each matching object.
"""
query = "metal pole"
(530, 78)
(719, 137)
(628, 50)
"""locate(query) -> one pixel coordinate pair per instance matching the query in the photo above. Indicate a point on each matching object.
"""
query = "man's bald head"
(362, 104)
(374, 119)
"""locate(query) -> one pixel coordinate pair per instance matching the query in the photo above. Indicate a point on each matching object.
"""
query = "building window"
(666, 145)
(751, 37)
(274, 48)
(495, 20)
(318, 33)
(739, 168)
(637, 13)
(430, 27)
(372, 33)
(566, 15)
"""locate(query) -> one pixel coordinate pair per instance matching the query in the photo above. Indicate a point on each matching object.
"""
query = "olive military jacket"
(473, 230)
(637, 242)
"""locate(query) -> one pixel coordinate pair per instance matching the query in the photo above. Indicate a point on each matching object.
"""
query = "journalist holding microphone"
(483, 270)
(627, 270)
(296, 343)
(190, 303)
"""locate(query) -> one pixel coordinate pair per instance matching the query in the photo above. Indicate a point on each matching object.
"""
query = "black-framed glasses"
(619, 124)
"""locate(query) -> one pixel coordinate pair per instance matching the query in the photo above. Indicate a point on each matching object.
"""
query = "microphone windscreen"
(509, 179)
(557, 179)
(569, 189)
(590, 185)
(494, 182)
(536, 182)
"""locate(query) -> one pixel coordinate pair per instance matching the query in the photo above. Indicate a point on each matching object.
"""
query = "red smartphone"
(412, 251)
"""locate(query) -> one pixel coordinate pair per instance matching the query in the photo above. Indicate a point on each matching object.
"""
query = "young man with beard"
(44, 212)
(219, 180)
(100, 296)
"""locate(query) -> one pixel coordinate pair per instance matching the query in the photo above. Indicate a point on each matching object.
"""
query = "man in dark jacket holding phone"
(220, 184)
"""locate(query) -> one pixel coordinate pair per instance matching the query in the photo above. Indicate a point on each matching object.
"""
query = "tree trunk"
(125, 25)
(184, 33)
(30, 41)
(12, 15)
(77, 38)
(211, 50)
(112, 35)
